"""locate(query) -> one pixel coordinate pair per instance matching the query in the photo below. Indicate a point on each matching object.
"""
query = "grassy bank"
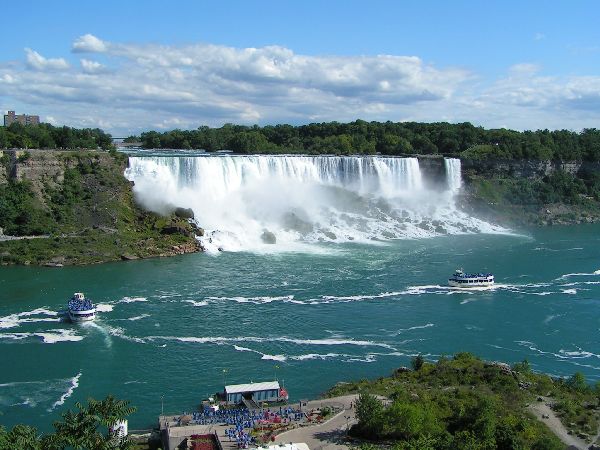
(466, 403)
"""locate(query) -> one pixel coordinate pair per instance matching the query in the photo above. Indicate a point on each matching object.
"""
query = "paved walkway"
(540, 409)
(330, 435)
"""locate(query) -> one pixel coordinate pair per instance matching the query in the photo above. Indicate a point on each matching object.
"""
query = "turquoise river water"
(171, 326)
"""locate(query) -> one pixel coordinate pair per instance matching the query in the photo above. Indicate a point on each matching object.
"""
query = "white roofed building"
(268, 391)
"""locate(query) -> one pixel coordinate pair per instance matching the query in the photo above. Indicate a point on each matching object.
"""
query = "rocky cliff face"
(45, 169)
(433, 170)
(521, 168)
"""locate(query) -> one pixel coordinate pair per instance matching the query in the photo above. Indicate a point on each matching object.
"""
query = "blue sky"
(143, 65)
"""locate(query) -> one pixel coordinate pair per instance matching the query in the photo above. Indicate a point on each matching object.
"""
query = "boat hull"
(82, 316)
(461, 284)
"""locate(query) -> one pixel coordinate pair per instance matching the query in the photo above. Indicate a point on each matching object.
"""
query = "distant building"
(23, 119)
(258, 392)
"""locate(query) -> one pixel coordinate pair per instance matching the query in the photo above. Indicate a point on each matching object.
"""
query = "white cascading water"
(453, 174)
(287, 203)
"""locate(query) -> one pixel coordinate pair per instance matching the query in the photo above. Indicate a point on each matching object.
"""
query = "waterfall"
(453, 173)
(251, 202)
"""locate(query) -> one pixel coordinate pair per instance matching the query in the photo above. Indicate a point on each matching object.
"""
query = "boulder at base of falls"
(184, 213)
(198, 231)
(268, 237)
(176, 229)
(330, 235)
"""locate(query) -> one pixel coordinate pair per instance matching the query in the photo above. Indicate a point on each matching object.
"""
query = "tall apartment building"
(23, 119)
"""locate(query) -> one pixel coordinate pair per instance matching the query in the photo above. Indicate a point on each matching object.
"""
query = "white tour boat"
(468, 280)
(81, 309)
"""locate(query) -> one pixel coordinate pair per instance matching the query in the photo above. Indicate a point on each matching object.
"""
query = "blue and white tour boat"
(81, 309)
(469, 280)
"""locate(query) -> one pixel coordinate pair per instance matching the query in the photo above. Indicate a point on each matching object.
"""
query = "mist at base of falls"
(289, 203)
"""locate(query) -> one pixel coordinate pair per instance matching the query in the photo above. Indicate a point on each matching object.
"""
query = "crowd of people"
(241, 420)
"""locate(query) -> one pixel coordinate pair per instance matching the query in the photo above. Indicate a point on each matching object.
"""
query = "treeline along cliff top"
(388, 138)
(47, 136)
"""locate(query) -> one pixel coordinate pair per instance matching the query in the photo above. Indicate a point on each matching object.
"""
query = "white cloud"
(138, 87)
(88, 43)
(89, 66)
(38, 62)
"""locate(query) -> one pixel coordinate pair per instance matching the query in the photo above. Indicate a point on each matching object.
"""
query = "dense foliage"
(20, 211)
(87, 428)
(47, 136)
(557, 187)
(85, 214)
(465, 403)
(65, 206)
(389, 138)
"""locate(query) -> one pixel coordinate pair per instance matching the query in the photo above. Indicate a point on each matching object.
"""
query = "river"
(354, 286)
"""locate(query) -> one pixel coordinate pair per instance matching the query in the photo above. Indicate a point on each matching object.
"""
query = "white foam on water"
(120, 333)
(243, 201)
(571, 356)
(253, 300)
(578, 274)
(569, 291)
(141, 316)
(551, 317)
(325, 356)
(33, 393)
(365, 359)
(66, 395)
(111, 331)
(359, 297)
(274, 357)
(196, 303)
(416, 327)
(103, 307)
(218, 340)
(265, 356)
(133, 299)
(47, 337)
(14, 320)
(60, 335)
(579, 353)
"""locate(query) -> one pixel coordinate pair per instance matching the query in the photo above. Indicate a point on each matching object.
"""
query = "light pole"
(162, 405)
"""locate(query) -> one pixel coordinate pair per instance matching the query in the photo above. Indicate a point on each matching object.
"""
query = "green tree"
(87, 429)
(369, 412)
(417, 362)
(20, 437)
(577, 382)
(522, 367)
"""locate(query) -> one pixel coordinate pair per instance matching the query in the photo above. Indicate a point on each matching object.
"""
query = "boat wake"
(61, 401)
(36, 315)
(47, 393)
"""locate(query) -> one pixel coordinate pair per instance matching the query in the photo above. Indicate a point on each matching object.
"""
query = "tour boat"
(468, 280)
(81, 309)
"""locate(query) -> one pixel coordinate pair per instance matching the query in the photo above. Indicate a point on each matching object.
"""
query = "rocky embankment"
(75, 207)
(523, 192)
(527, 192)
